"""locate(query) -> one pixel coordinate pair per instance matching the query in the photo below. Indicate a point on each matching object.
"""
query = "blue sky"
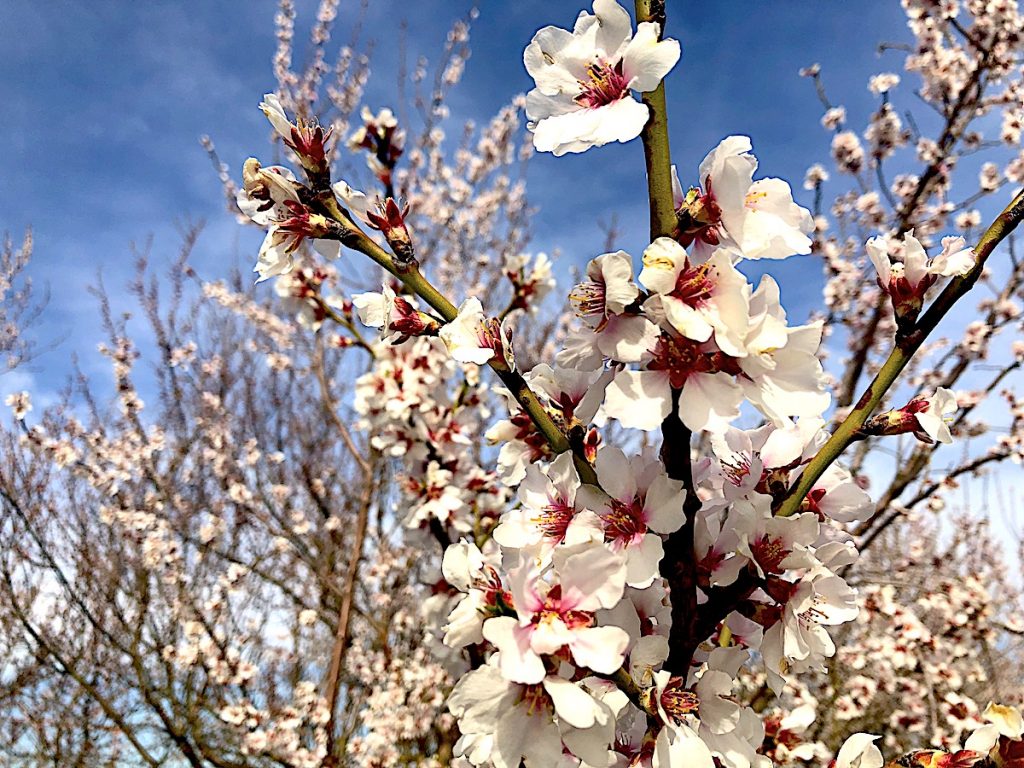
(105, 101)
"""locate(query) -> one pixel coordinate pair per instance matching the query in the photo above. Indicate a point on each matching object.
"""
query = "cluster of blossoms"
(572, 596)
(568, 596)
(408, 402)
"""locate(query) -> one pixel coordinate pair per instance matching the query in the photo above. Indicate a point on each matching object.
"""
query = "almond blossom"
(926, 417)
(911, 277)
(552, 616)
(473, 338)
(697, 299)
(639, 502)
(584, 560)
(585, 78)
(752, 219)
(269, 197)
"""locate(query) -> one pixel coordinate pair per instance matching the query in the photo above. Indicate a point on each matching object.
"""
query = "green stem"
(414, 280)
(655, 138)
(659, 165)
(905, 349)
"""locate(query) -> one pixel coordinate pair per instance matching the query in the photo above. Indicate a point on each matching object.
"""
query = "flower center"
(736, 468)
(624, 523)
(553, 611)
(814, 614)
(554, 519)
(769, 553)
(753, 199)
(699, 216)
(588, 301)
(694, 285)
(677, 701)
(680, 357)
(605, 85)
(536, 700)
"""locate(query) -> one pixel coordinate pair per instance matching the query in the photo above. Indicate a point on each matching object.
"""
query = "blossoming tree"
(627, 578)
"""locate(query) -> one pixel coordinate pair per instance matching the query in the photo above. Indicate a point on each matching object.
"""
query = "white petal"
(639, 399)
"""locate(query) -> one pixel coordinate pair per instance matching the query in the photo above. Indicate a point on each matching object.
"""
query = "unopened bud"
(389, 218)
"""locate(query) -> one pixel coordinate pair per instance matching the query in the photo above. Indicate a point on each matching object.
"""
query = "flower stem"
(847, 432)
(655, 138)
(414, 280)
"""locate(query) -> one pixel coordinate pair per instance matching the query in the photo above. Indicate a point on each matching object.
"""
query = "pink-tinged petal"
(709, 401)
(642, 561)
(615, 473)
(601, 649)
(517, 661)
(639, 399)
(663, 505)
(627, 338)
(548, 636)
(592, 579)
(573, 705)
(522, 583)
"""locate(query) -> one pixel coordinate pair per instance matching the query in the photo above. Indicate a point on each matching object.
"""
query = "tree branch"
(905, 349)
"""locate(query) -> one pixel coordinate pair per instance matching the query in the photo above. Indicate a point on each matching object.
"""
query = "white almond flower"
(608, 290)
(585, 79)
(474, 338)
(754, 219)
(697, 299)
(548, 516)
(505, 723)
(553, 616)
(639, 502)
(269, 196)
(908, 276)
(925, 417)
(20, 404)
(914, 267)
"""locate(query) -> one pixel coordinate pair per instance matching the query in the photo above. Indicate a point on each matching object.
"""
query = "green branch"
(906, 347)
(413, 279)
(655, 138)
